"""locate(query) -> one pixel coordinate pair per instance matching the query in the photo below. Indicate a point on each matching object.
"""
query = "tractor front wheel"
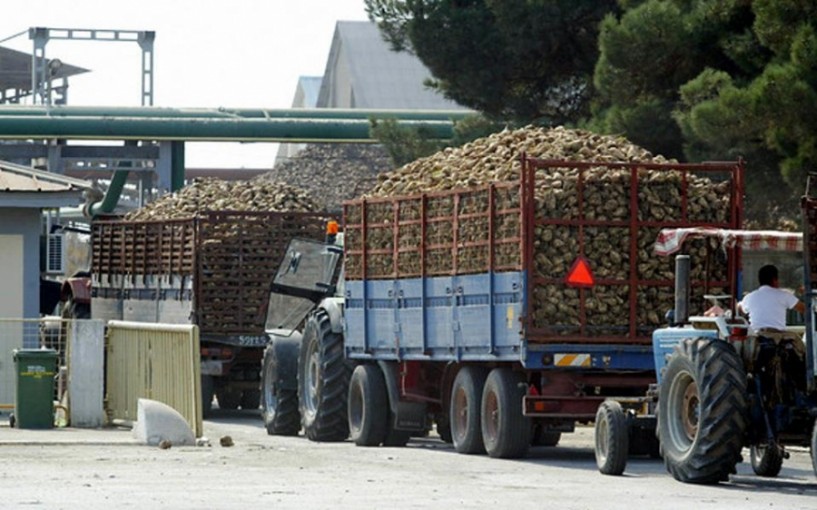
(703, 411)
(612, 437)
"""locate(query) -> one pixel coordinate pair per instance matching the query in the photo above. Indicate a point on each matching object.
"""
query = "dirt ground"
(106, 469)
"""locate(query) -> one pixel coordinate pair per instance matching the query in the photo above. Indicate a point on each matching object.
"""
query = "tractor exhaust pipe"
(682, 265)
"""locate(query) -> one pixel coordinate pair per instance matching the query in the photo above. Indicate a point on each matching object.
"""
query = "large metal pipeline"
(178, 125)
(203, 129)
(232, 113)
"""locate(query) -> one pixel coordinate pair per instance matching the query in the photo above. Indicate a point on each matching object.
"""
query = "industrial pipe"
(111, 198)
(227, 113)
(203, 129)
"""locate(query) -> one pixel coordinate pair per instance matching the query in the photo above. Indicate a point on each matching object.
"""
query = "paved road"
(75, 469)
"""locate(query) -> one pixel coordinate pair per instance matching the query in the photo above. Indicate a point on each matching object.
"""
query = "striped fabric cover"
(670, 240)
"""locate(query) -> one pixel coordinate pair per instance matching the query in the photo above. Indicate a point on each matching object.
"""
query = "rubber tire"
(228, 399)
(325, 418)
(766, 462)
(279, 401)
(368, 406)
(207, 395)
(612, 438)
(814, 448)
(505, 430)
(717, 371)
(466, 428)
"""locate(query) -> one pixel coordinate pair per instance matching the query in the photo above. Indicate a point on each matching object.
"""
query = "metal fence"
(84, 338)
(28, 334)
(156, 361)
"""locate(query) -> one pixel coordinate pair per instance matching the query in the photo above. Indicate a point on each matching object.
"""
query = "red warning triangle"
(580, 274)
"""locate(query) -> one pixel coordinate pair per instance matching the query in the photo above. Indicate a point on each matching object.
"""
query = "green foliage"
(736, 77)
(527, 61)
(403, 144)
(475, 126)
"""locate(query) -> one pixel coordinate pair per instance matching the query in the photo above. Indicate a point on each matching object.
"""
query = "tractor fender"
(334, 309)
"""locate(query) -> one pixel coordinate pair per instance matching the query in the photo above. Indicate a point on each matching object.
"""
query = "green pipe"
(108, 203)
(203, 129)
(227, 113)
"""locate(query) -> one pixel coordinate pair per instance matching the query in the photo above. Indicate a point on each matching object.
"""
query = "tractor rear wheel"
(612, 437)
(279, 388)
(767, 460)
(466, 398)
(505, 430)
(703, 411)
(323, 381)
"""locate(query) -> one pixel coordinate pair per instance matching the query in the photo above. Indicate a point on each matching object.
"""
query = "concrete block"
(157, 422)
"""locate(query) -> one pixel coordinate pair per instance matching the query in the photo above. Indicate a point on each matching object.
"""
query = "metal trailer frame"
(396, 311)
(176, 260)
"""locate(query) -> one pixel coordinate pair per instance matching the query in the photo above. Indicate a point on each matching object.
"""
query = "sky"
(207, 53)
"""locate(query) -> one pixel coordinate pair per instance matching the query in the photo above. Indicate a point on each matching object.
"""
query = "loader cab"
(307, 274)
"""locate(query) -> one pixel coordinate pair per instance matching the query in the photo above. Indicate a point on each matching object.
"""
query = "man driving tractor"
(767, 305)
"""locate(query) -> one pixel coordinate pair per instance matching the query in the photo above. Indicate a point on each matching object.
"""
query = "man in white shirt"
(767, 304)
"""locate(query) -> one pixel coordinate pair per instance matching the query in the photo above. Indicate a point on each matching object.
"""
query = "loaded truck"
(720, 385)
(213, 270)
(506, 314)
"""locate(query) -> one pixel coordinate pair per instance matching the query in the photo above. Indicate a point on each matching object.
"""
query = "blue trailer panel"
(448, 318)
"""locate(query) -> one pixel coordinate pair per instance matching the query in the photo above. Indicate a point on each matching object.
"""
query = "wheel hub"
(492, 413)
(312, 377)
(691, 409)
(460, 413)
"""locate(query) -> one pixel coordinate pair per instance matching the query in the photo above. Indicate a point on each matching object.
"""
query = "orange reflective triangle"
(580, 274)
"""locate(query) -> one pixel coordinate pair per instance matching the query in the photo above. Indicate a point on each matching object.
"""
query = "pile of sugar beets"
(606, 196)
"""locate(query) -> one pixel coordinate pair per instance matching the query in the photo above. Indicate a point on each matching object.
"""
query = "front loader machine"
(722, 387)
(301, 300)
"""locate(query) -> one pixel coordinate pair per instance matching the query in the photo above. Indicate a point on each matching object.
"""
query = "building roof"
(15, 69)
(364, 72)
(22, 186)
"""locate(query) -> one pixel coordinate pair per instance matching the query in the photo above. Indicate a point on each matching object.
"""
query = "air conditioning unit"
(54, 254)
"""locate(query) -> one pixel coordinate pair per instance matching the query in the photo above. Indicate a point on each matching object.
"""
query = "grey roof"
(22, 186)
(15, 69)
(363, 72)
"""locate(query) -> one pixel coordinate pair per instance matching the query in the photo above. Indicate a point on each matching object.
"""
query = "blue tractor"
(720, 386)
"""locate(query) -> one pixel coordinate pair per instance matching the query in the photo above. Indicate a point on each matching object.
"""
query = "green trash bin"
(34, 398)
